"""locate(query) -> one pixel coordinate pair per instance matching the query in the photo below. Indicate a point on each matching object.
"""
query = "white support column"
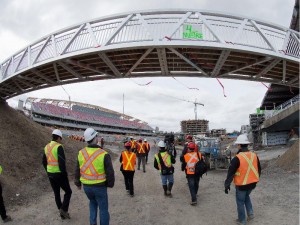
(109, 63)
(178, 25)
(222, 59)
(41, 50)
(72, 39)
(259, 30)
(116, 31)
(139, 61)
(188, 61)
(210, 28)
(161, 53)
(89, 28)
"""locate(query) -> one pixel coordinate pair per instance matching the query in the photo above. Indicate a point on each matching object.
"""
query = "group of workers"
(94, 171)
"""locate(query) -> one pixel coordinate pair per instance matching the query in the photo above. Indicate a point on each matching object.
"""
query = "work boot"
(193, 203)
(238, 222)
(65, 214)
(7, 219)
(165, 190)
(250, 217)
(170, 189)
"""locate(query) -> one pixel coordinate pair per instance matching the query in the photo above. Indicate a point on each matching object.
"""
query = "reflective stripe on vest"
(129, 160)
(247, 172)
(191, 159)
(166, 159)
(93, 175)
(52, 157)
(147, 146)
(141, 149)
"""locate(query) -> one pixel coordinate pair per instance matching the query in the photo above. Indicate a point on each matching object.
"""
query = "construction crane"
(195, 103)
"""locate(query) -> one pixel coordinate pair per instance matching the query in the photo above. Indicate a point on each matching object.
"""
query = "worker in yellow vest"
(128, 161)
(147, 148)
(188, 165)
(141, 154)
(245, 170)
(54, 162)
(4, 216)
(95, 171)
(163, 162)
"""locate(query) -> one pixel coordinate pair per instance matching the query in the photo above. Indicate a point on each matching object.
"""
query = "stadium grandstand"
(75, 117)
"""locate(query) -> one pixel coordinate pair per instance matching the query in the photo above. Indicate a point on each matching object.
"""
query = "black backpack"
(200, 167)
(164, 169)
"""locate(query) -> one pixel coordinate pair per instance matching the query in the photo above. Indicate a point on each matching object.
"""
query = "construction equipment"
(215, 158)
(195, 103)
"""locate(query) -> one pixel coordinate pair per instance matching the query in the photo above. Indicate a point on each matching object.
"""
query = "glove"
(227, 189)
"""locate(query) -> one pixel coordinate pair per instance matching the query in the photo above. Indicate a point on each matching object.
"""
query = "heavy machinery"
(215, 157)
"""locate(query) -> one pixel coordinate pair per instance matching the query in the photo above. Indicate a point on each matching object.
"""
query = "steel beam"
(188, 61)
(18, 86)
(39, 74)
(178, 25)
(70, 70)
(41, 50)
(267, 68)
(239, 30)
(92, 35)
(109, 63)
(6, 68)
(149, 50)
(222, 59)
(30, 79)
(56, 72)
(83, 65)
(145, 25)
(161, 53)
(293, 80)
(283, 70)
(21, 59)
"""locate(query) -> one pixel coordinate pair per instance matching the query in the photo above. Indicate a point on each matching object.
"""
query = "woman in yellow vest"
(95, 171)
(4, 216)
(128, 160)
(245, 170)
(54, 162)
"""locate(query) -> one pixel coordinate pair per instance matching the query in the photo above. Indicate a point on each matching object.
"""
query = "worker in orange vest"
(188, 165)
(128, 160)
(133, 144)
(141, 154)
(189, 139)
(147, 148)
(245, 170)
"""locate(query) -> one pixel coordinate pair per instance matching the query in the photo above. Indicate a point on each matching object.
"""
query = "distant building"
(217, 132)
(194, 126)
(245, 129)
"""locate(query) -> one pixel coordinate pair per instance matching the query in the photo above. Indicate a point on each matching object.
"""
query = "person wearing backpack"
(188, 165)
(245, 171)
(163, 162)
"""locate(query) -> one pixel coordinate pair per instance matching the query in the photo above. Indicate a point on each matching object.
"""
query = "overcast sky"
(23, 22)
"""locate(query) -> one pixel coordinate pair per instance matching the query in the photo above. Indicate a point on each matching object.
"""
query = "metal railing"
(157, 28)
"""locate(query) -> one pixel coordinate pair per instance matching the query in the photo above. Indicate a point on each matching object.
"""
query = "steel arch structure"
(187, 43)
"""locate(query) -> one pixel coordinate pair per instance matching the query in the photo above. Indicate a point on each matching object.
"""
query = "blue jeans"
(98, 198)
(243, 200)
(193, 183)
(166, 178)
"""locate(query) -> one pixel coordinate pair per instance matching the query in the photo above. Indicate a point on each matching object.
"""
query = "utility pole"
(123, 107)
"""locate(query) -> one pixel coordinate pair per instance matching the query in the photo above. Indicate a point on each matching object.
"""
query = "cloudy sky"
(23, 22)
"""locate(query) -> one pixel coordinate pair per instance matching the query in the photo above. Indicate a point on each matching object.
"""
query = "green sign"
(192, 32)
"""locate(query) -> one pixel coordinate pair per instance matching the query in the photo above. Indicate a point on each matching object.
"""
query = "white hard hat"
(57, 132)
(161, 144)
(145, 139)
(90, 134)
(242, 140)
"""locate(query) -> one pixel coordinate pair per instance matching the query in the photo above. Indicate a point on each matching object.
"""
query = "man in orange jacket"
(245, 170)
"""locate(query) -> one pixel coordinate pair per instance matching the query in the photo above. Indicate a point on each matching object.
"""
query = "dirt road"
(275, 201)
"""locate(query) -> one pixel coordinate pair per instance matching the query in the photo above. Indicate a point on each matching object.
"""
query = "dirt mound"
(21, 148)
(290, 159)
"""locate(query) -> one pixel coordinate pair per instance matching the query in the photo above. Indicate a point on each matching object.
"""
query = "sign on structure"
(192, 32)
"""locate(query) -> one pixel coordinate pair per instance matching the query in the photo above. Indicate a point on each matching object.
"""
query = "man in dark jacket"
(95, 171)
(54, 162)
(245, 170)
(4, 216)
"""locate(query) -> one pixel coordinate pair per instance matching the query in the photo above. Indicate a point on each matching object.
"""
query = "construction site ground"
(30, 200)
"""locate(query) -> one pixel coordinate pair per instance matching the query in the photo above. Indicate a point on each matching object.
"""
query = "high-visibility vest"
(91, 162)
(247, 173)
(166, 159)
(52, 157)
(132, 144)
(140, 148)
(147, 146)
(191, 159)
(128, 160)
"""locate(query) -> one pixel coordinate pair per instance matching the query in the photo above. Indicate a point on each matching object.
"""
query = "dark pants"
(193, 183)
(128, 178)
(2, 207)
(59, 181)
(143, 160)
(147, 157)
